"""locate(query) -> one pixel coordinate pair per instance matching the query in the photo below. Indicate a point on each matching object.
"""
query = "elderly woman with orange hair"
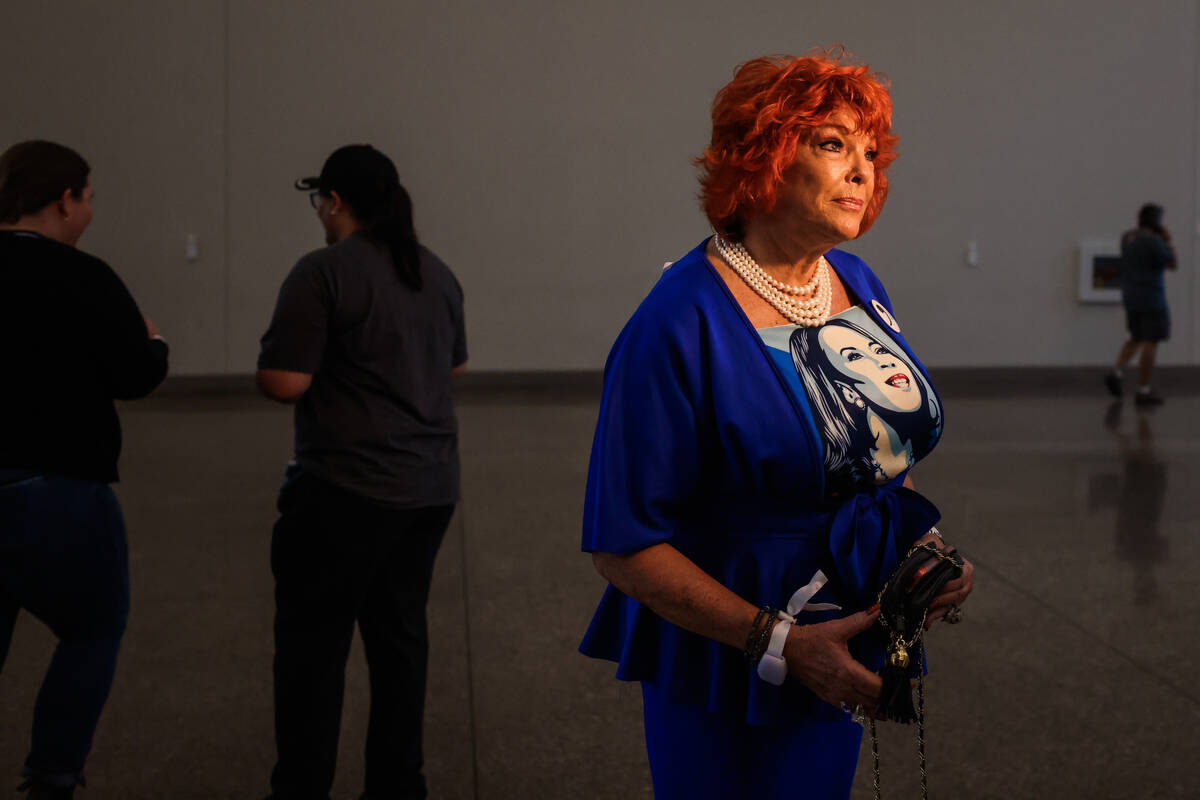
(749, 490)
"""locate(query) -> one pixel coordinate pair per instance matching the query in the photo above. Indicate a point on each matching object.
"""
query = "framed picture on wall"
(1099, 271)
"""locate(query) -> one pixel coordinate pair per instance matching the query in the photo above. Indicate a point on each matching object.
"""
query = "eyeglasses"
(315, 199)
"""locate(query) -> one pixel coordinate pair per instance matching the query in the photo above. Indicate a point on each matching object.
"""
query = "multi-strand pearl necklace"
(806, 305)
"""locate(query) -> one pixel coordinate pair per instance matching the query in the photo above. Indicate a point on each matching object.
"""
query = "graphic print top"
(875, 411)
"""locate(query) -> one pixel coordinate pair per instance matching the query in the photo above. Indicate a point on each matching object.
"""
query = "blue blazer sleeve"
(646, 454)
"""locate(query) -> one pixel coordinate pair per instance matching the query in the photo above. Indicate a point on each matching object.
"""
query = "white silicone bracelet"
(772, 667)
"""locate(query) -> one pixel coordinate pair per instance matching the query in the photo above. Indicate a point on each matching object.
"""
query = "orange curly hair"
(762, 116)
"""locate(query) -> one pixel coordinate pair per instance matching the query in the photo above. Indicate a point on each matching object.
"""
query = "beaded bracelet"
(760, 637)
(764, 638)
(753, 637)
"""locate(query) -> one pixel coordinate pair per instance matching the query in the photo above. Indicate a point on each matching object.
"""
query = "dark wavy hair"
(34, 174)
(848, 437)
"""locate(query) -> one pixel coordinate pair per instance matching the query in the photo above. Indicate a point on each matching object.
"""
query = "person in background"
(1145, 253)
(72, 341)
(365, 337)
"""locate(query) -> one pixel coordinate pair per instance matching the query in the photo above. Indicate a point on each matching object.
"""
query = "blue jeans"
(64, 559)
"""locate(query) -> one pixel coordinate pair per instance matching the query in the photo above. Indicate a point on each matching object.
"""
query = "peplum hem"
(857, 544)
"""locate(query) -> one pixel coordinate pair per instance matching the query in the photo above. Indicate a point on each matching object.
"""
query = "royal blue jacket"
(701, 443)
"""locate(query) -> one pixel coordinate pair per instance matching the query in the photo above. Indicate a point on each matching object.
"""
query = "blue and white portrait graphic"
(878, 413)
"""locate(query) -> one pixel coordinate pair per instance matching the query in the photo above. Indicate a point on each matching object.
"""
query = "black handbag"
(903, 607)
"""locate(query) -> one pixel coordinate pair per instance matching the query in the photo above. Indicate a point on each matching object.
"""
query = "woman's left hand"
(954, 593)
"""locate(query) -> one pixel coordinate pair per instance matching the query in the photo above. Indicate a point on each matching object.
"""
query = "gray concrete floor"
(1070, 678)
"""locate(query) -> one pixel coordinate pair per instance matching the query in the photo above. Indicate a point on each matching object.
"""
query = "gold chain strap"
(875, 758)
(920, 737)
(899, 649)
(921, 727)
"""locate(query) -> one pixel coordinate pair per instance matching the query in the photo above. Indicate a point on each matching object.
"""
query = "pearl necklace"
(790, 301)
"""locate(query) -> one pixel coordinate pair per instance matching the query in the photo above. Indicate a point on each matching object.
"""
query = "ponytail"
(368, 183)
(393, 227)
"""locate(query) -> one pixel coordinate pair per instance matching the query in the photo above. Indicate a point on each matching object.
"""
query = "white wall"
(546, 147)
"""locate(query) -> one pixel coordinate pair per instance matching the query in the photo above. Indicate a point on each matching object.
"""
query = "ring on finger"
(953, 616)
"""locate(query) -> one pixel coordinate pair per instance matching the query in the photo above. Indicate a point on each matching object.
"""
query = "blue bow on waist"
(871, 531)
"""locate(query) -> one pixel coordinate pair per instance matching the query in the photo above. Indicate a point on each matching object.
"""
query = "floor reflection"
(1139, 497)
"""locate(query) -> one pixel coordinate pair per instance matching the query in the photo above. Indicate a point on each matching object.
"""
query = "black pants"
(337, 559)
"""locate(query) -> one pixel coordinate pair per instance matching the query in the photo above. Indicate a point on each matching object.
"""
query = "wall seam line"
(1196, 188)
(1194, 222)
(226, 154)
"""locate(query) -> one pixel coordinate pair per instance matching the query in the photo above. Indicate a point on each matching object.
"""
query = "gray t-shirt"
(378, 419)
(1144, 256)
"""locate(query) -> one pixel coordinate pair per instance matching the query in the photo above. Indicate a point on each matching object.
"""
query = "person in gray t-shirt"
(365, 338)
(1145, 253)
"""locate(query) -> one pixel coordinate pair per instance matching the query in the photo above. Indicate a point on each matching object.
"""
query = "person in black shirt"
(365, 337)
(71, 340)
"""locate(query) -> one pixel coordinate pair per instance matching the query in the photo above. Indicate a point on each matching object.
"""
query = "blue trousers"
(64, 559)
(697, 755)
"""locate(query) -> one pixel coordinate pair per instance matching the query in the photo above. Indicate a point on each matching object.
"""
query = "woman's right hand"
(818, 656)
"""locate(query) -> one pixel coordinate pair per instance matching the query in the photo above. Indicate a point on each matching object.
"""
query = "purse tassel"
(895, 701)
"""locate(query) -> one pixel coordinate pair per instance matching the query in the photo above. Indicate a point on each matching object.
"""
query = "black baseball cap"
(357, 172)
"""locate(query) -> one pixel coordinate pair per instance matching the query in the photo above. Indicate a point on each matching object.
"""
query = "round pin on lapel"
(885, 315)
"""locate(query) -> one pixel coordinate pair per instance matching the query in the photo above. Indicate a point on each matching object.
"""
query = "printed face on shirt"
(882, 377)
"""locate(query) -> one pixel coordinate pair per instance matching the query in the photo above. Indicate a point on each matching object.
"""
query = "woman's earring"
(852, 397)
